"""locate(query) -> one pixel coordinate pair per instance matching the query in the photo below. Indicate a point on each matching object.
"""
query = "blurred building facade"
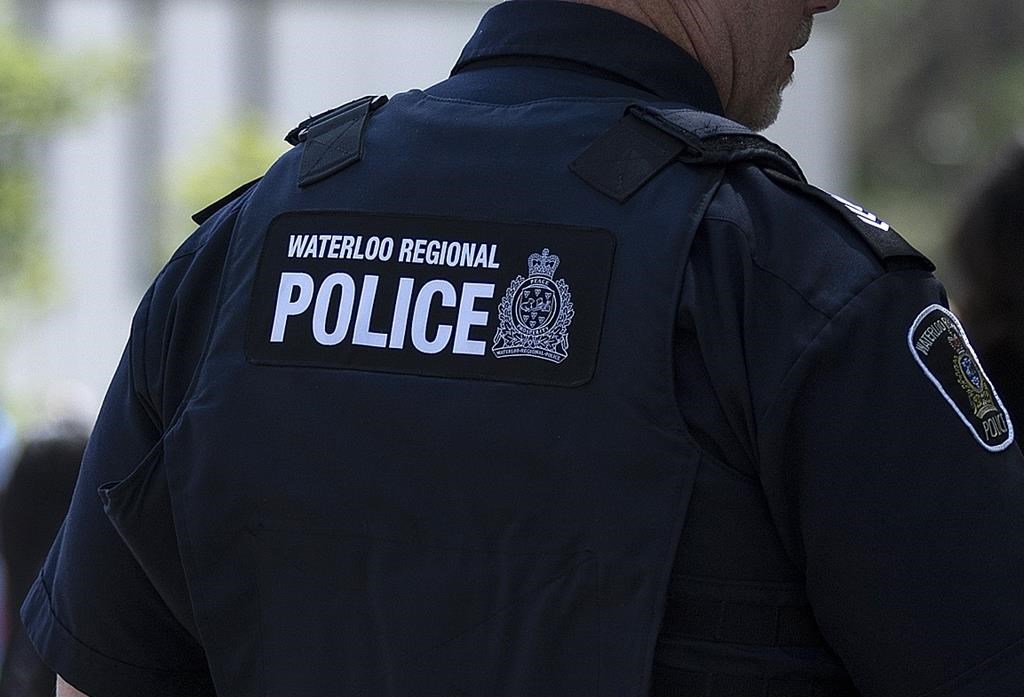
(214, 60)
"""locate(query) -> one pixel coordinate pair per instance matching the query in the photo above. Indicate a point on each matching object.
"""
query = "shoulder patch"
(887, 244)
(940, 346)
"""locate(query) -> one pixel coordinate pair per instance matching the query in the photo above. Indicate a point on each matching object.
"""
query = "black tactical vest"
(433, 446)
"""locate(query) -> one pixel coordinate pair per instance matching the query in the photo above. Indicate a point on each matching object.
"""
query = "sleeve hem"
(94, 673)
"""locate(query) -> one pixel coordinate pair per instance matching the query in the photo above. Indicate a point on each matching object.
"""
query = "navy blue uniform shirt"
(854, 527)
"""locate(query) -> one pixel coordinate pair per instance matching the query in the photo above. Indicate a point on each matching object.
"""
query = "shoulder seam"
(793, 288)
(183, 255)
(971, 673)
(141, 390)
(803, 352)
(754, 260)
(527, 104)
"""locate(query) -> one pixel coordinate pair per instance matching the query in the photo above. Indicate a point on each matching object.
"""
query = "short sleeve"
(910, 531)
(93, 614)
(111, 610)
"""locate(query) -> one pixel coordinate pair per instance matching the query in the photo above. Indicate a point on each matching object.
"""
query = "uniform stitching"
(810, 303)
(971, 673)
(182, 255)
(942, 389)
(728, 469)
(755, 585)
(329, 141)
(760, 265)
(520, 105)
(141, 389)
(814, 340)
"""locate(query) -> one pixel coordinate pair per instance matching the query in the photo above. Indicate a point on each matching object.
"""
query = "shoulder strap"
(718, 140)
(211, 210)
(333, 140)
(646, 140)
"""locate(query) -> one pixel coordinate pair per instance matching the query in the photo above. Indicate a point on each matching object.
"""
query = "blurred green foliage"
(41, 90)
(939, 87)
(235, 154)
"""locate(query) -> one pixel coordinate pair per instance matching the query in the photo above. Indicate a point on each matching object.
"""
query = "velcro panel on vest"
(625, 158)
(333, 141)
(646, 140)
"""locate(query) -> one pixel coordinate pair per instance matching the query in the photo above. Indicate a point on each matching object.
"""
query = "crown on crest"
(543, 264)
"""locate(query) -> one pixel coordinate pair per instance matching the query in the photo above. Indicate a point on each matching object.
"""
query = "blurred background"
(119, 118)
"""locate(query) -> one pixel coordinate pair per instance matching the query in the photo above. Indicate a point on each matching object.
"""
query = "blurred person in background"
(553, 379)
(987, 253)
(8, 444)
(8, 440)
(31, 510)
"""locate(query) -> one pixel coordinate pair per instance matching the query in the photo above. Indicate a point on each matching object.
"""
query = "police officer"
(548, 380)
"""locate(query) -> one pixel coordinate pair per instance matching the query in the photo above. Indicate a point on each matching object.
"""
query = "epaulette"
(208, 212)
(333, 140)
(888, 245)
(647, 140)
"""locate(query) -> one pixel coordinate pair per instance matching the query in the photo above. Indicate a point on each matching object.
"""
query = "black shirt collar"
(592, 38)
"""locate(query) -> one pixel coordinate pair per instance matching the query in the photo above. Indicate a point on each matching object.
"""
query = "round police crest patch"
(940, 346)
(535, 314)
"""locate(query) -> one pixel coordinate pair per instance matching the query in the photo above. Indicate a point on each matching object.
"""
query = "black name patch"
(431, 296)
(940, 346)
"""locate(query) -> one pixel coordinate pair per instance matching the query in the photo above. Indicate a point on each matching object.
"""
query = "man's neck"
(693, 26)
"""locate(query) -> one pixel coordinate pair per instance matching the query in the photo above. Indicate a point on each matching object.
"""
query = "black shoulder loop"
(211, 210)
(333, 140)
(646, 140)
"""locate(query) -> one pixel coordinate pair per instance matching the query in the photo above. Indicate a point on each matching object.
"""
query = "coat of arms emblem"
(535, 314)
(969, 375)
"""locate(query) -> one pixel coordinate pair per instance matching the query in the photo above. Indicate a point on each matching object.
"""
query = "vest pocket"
(382, 617)
(127, 500)
(139, 508)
